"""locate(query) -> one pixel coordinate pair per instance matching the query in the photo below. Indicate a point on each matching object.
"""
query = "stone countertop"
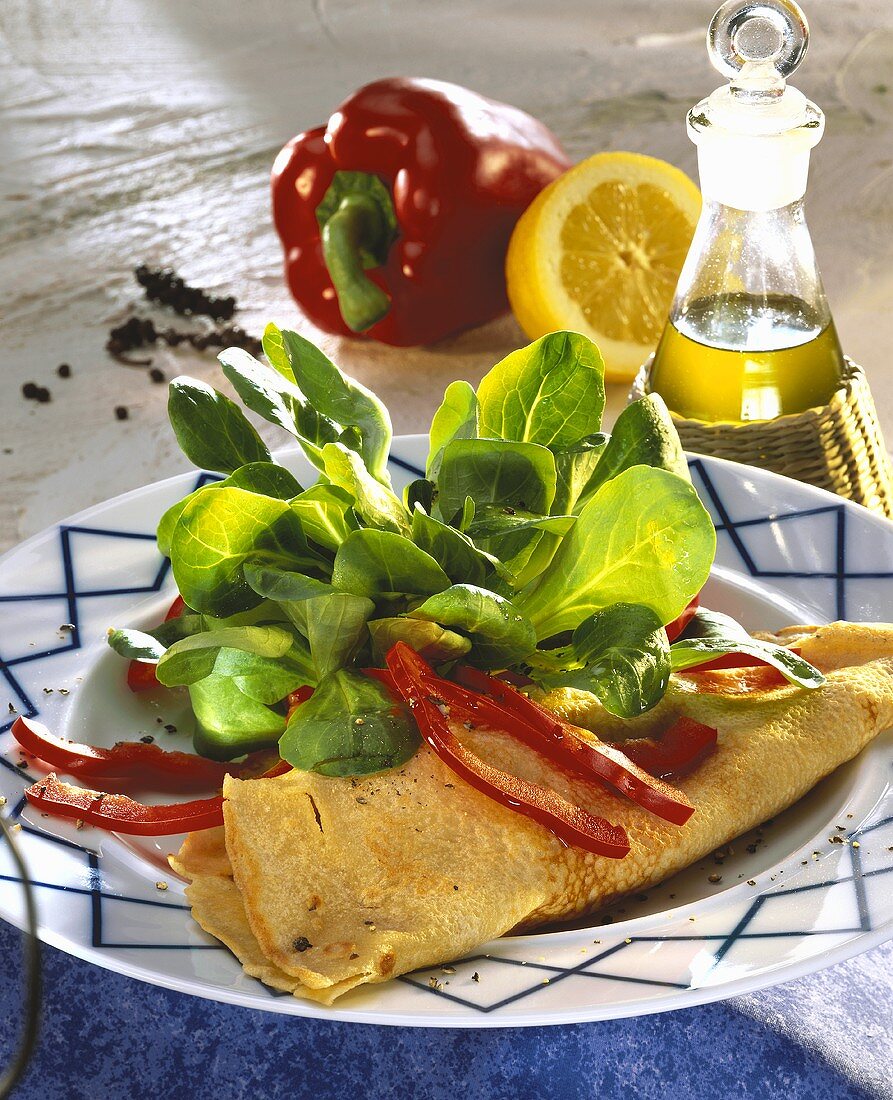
(133, 132)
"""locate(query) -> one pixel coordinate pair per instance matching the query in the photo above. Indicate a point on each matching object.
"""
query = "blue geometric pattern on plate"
(824, 556)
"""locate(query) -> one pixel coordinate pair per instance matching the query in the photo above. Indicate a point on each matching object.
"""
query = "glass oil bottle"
(750, 336)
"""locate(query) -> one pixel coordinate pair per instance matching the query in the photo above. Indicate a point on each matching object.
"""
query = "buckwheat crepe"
(319, 885)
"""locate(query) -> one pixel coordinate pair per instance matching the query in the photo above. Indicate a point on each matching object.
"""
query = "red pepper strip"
(677, 752)
(535, 726)
(298, 696)
(176, 609)
(675, 628)
(734, 660)
(279, 768)
(126, 760)
(141, 674)
(568, 822)
(383, 675)
(121, 814)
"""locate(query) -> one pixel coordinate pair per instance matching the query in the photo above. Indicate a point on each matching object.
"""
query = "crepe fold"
(325, 884)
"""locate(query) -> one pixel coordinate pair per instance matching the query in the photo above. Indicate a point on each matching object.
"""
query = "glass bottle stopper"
(757, 42)
(754, 135)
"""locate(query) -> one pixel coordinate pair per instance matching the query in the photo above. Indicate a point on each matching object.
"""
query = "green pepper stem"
(356, 224)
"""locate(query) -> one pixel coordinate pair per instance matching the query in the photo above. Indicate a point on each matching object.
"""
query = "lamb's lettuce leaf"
(455, 552)
(552, 392)
(516, 475)
(336, 627)
(435, 643)
(343, 400)
(230, 723)
(195, 657)
(326, 514)
(382, 563)
(710, 635)
(266, 478)
(218, 532)
(212, 431)
(643, 435)
(644, 538)
(375, 503)
(457, 418)
(500, 635)
(620, 654)
(350, 726)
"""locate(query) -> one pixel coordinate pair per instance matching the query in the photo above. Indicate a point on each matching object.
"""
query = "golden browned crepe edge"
(202, 853)
(217, 907)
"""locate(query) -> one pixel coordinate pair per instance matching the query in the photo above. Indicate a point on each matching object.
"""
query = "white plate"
(791, 899)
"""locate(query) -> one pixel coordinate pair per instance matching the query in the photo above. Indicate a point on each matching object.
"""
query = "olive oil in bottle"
(750, 335)
(790, 361)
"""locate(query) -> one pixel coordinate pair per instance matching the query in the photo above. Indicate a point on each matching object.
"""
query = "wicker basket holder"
(838, 446)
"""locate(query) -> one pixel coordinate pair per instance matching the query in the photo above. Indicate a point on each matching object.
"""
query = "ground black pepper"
(121, 412)
(301, 944)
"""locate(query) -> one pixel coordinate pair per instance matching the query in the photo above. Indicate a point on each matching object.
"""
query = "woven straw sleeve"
(838, 446)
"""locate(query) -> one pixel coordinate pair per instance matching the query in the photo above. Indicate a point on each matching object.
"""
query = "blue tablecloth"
(825, 1037)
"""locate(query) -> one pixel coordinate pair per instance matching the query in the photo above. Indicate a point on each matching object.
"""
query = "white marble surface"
(143, 131)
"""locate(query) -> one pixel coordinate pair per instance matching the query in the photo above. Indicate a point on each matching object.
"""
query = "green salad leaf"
(435, 643)
(371, 562)
(194, 658)
(644, 435)
(500, 634)
(212, 431)
(575, 466)
(326, 513)
(274, 349)
(218, 532)
(136, 645)
(230, 723)
(710, 635)
(343, 400)
(349, 726)
(455, 552)
(516, 475)
(336, 626)
(266, 478)
(457, 418)
(272, 395)
(644, 537)
(620, 654)
(534, 543)
(551, 392)
(375, 503)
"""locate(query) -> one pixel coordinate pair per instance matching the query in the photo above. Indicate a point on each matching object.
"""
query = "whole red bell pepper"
(396, 216)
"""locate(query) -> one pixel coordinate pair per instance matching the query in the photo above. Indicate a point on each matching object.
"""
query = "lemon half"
(599, 251)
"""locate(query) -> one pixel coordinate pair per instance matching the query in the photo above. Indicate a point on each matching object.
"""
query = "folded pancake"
(338, 882)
